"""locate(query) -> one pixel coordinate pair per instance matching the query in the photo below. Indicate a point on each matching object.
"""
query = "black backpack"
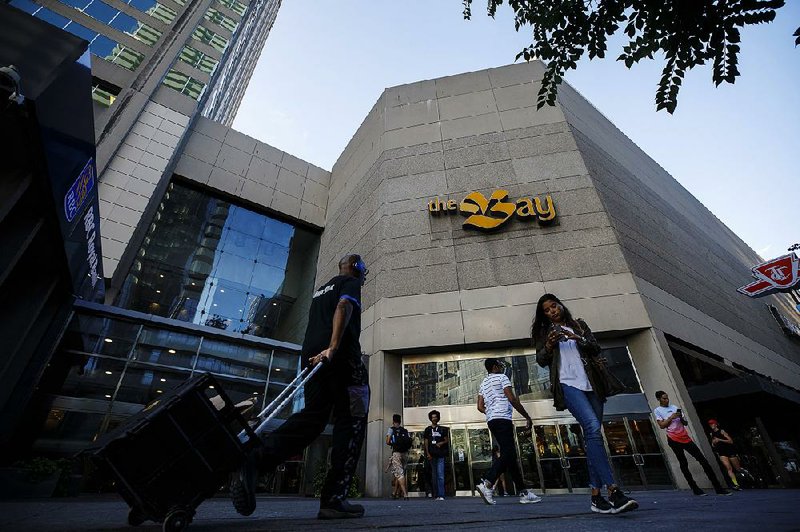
(402, 440)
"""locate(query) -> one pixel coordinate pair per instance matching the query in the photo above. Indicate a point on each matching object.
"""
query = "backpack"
(402, 440)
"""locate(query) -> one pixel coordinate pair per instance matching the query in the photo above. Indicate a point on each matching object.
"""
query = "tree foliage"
(687, 32)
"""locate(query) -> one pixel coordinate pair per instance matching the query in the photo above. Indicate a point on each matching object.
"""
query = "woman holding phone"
(566, 346)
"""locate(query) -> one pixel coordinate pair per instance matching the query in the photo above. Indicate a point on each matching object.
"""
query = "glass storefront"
(109, 368)
(209, 262)
(552, 455)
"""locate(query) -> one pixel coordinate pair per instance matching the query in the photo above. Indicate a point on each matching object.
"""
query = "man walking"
(400, 440)
(339, 387)
(437, 446)
(495, 399)
(670, 417)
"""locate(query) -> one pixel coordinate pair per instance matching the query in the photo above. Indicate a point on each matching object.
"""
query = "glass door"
(624, 459)
(417, 470)
(480, 453)
(528, 458)
(647, 453)
(548, 446)
(462, 479)
(574, 456)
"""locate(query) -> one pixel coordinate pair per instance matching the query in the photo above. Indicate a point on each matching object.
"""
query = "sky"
(736, 148)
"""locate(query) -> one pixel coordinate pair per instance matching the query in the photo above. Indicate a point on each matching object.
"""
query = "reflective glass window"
(455, 382)
(91, 377)
(198, 59)
(160, 346)
(103, 94)
(235, 6)
(154, 9)
(116, 19)
(144, 383)
(621, 366)
(209, 262)
(184, 84)
(215, 16)
(210, 38)
(230, 359)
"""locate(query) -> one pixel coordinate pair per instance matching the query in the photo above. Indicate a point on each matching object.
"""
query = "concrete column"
(386, 385)
(657, 370)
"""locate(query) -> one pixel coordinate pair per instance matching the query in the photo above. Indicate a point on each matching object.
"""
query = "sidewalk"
(673, 511)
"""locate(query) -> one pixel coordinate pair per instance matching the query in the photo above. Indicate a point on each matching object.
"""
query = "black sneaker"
(620, 503)
(699, 492)
(243, 487)
(340, 510)
(724, 492)
(600, 505)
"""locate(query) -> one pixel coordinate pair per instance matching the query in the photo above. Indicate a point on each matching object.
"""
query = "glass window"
(116, 19)
(159, 346)
(116, 53)
(456, 382)
(198, 59)
(92, 377)
(235, 360)
(620, 365)
(103, 93)
(154, 9)
(213, 15)
(184, 84)
(142, 384)
(104, 336)
(237, 7)
(210, 38)
(208, 262)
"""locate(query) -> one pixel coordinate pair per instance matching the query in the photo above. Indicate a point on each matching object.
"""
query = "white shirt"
(494, 398)
(572, 372)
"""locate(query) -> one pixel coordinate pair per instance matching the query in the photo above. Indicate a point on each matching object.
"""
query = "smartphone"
(680, 411)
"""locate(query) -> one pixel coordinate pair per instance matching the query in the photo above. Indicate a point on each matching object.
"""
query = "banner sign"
(777, 275)
(79, 191)
(494, 212)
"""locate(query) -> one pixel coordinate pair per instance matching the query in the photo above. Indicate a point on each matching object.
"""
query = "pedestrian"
(496, 399)
(568, 347)
(340, 387)
(437, 446)
(400, 441)
(670, 418)
(722, 443)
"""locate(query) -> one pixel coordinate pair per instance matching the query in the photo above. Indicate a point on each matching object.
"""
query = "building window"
(184, 84)
(212, 15)
(456, 382)
(99, 44)
(116, 19)
(154, 9)
(237, 7)
(206, 36)
(213, 263)
(104, 93)
(198, 59)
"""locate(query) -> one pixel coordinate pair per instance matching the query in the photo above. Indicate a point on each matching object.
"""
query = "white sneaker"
(486, 493)
(528, 497)
(439, 498)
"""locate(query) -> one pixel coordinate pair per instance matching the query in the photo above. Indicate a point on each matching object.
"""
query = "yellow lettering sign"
(497, 210)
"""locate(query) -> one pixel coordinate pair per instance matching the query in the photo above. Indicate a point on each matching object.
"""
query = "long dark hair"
(541, 323)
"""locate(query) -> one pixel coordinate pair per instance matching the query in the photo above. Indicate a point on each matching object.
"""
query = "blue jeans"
(437, 476)
(588, 410)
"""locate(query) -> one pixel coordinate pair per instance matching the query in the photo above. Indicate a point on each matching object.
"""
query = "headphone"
(360, 267)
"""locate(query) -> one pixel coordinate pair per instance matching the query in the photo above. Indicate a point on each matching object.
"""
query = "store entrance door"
(635, 454)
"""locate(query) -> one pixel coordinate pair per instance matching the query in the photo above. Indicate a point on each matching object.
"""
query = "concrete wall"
(433, 283)
(687, 263)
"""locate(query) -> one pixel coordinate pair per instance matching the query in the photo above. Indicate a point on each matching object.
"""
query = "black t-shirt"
(434, 436)
(320, 320)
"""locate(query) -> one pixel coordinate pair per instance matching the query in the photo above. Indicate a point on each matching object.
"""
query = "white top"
(572, 372)
(675, 430)
(495, 400)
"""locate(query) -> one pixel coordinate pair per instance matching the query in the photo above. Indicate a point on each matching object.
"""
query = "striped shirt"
(495, 400)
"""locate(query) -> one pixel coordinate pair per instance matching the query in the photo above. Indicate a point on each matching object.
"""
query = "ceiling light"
(171, 351)
(221, 290)
(159, 391)
(158, 291)
(163, 380)
(108, 340)
(277, 369)
(192, 283)
(108, 396)
(274, 304)
(108, 373)
(255, 393)
(161, 275)
(215, 304)
(211, 387)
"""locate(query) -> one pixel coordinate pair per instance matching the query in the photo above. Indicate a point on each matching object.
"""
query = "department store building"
(467, 204)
